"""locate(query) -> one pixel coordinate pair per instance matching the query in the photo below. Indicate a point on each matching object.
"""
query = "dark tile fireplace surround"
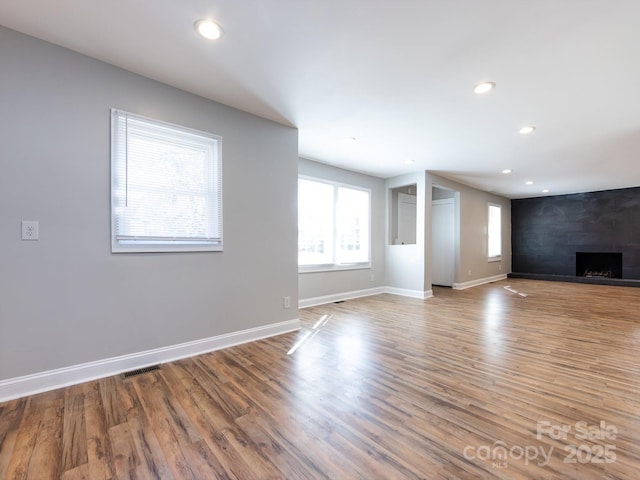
(587, 237)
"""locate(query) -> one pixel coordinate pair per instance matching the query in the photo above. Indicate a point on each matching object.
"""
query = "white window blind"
(315, 223)
(494, 229)
(166, 186)
(352, 226)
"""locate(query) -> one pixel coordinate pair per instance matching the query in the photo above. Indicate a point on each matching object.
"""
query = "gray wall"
(65, 299)
(318, 284)
(442, 194)
(473, 218)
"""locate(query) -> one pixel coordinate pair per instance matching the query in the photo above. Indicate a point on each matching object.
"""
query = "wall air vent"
(140, 371)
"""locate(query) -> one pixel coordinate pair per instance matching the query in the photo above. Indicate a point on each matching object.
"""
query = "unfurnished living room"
(285, 239)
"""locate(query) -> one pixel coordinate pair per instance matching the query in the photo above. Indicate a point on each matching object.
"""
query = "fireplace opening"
(599, 264)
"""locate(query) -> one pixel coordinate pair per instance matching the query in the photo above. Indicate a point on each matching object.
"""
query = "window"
(333, 225)
(166, 187)
(495, 232)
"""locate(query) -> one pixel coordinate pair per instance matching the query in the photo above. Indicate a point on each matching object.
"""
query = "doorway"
(443, 237)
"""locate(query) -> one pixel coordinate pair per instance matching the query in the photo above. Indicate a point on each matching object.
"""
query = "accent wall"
(548, 231)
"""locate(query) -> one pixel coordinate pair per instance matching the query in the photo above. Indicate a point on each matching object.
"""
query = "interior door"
(442, 242)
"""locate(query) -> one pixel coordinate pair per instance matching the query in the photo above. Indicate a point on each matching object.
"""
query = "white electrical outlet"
(286, 302)
(30, 230)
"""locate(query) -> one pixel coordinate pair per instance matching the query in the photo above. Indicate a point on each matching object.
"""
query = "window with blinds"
(333, 226)
(494, 230)
(166, 186)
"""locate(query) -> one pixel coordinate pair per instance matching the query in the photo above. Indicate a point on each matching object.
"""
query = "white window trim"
(496, 258)
(334, 267)
(162, 246)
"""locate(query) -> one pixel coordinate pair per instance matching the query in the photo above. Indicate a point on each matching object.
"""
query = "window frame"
(163, 244)
(328, 267)
(493, 258)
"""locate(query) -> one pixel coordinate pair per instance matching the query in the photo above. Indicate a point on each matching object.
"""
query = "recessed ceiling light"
(527, 129)
(408, 161)
(528, 182)
(484, 87)
(546, 190)
(506, 170)
(208, 29)
(349, 139)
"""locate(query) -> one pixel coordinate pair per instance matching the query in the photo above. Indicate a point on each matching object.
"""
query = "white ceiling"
(398, 76)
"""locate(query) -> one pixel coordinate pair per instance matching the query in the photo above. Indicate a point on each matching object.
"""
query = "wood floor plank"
(11, 414)
(45, 462)
(78, 473)
(74, 440)
(125, 456)
(18, 467)
(151, 461)
(168, 423)
(26, 439)
(229, 447)
(466, 385)
(99, 452)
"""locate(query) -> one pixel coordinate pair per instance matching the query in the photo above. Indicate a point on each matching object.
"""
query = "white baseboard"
(63, 377)
(312, 302)
(409, 293)
(338, 297)
(479, 281)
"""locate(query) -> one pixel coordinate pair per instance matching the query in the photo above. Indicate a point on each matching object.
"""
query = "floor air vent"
(140, 371)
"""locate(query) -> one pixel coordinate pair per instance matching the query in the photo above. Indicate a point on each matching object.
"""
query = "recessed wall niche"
(403, 215)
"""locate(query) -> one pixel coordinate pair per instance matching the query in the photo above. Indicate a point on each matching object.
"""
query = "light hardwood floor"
(469, 384)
